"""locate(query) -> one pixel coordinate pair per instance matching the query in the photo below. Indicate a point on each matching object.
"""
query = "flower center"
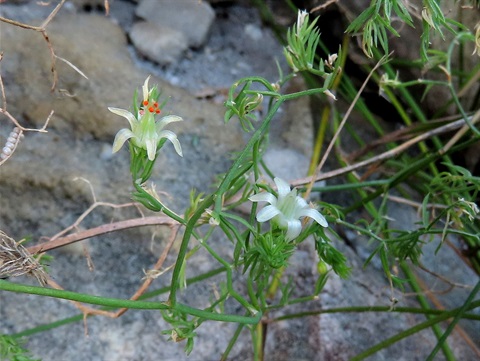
(151, 107)
(288, 204)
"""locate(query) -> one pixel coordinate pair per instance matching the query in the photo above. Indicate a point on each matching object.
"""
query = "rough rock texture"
(81, 115)
(158, 43)
(190, 17)
(39, 197)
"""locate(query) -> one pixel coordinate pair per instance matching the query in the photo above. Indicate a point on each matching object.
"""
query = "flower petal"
(151, 144)
(267, 213)
(122, 136)
(166, 120)
(264, 197)
(300, 202)
(171, 136)
(145, 89)
(316, 215)
(126, 114)
(294, 228)
(283, 187)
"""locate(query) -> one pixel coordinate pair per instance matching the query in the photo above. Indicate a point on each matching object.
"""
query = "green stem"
(407, 172)
(223, 187)
(80, 297)
(424, 304)
(429, 323)
(120, 303)
(251, 293)
(218, 316)
(147, 295)
(159, 205)
(232, 342)
(462, 111)
(231, 290)
(364, 309)
(458, 316)
(257, 338)
(207, 202)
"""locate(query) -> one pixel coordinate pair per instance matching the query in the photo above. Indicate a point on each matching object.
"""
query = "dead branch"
(86, 310)
(42, 30)
(381, 157)
(103, 229)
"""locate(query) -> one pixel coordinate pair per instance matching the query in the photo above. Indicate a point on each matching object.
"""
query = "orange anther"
(145, 102)
(157, 111)
(151, 109)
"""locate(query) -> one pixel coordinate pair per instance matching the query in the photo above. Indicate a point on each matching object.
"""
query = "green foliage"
(330, 255)
(267, 252)
(183, 329)
(458, 182)
(244, 106)
(375, 23)
(302, 45)
(246, 101)
(433, 19)
(11, 349)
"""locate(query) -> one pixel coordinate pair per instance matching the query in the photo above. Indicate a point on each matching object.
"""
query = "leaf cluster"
(375, 24)
(11, 349)
(269, 251)
(330, 255)
(183, 328)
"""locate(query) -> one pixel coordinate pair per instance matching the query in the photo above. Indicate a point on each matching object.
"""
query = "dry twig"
(42, 30)
(86, 310)
(381, 157)
(59, 241)
(315, 177)
(17, 133)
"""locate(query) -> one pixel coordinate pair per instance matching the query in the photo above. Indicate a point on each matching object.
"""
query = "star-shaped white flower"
(145, 132)
(286, 210)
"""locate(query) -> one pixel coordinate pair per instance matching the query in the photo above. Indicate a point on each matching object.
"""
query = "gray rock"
(297, 122)
(254, 32)
(159, 43)
(101, 52)
(286, 163)
(190, 17)
(38, 194)
(79, 104)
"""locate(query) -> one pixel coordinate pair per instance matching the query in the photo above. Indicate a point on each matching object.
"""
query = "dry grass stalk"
(16, 261)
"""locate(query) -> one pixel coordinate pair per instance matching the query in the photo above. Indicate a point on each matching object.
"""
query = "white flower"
(427, 16)
(145, 132)
(287, 209)
(302, 16)
(477, 39)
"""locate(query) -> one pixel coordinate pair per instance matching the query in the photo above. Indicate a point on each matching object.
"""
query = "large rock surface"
(190, 17)
(158, 43)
